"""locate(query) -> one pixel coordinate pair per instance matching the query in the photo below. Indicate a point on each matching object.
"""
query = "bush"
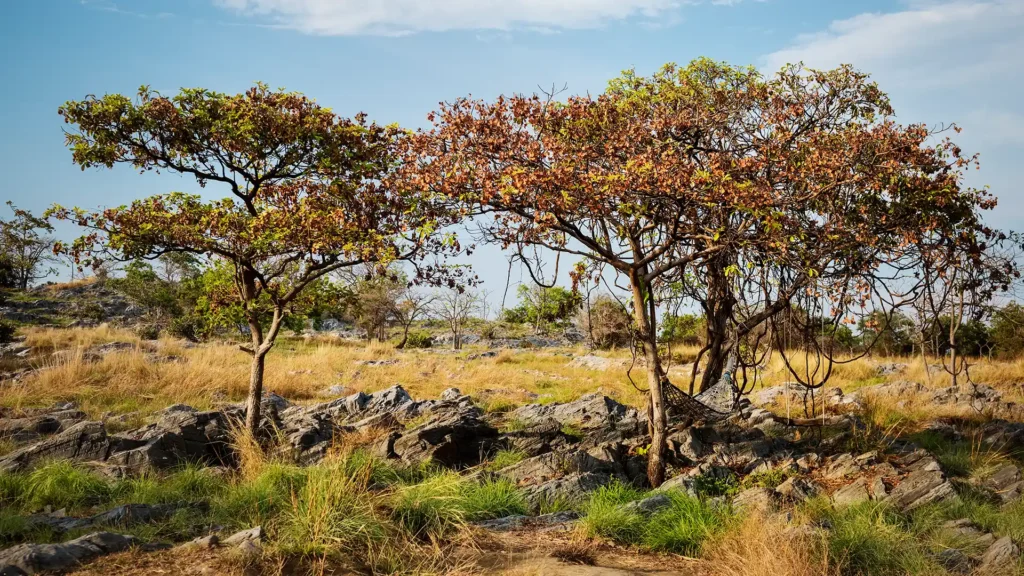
(607, 323)
(62, 485)
(147, 331)
(185, 327)
(7, 330)
(419, 339)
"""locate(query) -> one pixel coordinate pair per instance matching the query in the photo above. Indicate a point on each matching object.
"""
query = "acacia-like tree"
(26, 249)
(310, 194)
(704, 174)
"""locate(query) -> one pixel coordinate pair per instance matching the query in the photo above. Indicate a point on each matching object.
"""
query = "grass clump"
(506, 458)
(682, 526)
(766, 479)
(63, 485)
(444, 502)
(873, 539)
(190, 484)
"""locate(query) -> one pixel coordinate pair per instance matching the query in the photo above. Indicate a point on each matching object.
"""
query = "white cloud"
(348, 17)
(941, 61)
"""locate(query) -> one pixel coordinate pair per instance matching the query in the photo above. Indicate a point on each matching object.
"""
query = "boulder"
(852, 494)
(540, 437)
(81, 442)
(175, 439)
(39, 558)
(797, 489)
(568, 490)
(251, 535)
(1000, 558)
(590, 411)
(919, 488)
(841, 466)
(592, 362)
(1006, 482)
(648, 506)
(544, 523)
(455, 438)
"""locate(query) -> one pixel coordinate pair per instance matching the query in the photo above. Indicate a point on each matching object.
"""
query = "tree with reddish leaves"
(310, 193)
(715, 178)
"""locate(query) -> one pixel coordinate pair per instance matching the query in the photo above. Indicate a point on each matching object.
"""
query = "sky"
(941, 61)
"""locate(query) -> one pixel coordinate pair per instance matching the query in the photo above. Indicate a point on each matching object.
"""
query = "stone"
(840, 467)
(852, 494)
(796, 489)
(178, 408)
(121, 516)
(1000, 558)
(589, 411)
(39, 558)
(1005, 481)
(249, 547)
(81, 442)
(966, 530)
(592, 362)
(890, 368)
(809, 462)
(757, 499)
(567, 490)
(919, 488)
(451, 394)
(538, 438)
(648, 506)
(387, 400)
(175, 439)
(251, 535)
(332, 391)
(455, 438)
(545, 522)
(209, 541)
(487, 354)
(954, 561)
(878, 489)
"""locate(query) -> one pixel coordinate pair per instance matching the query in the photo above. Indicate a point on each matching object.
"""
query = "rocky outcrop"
(40, 558)
(455, 437)
(82, 442)
(588, 412)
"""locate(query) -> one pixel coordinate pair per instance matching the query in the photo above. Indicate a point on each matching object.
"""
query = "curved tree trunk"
(252, 404)
(657, 420)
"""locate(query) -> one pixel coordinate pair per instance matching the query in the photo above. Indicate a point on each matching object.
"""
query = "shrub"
(419, 339)
(185, 327)
(147, 331)
(7, 330)
(607, 323)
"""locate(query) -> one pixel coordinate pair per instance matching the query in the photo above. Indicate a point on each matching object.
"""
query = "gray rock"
(965, 530)
(39, 558)
(758, 499)
(454, 438)
(451, 394)
(954, 561)
(178, 408)
(545, 522)
(209, 541)
(387, 400)
(569, 490)
(890, 368)
(590, 411)
(648, 506)
(852, 494)
(1000, 558)
(841, 466)
(175, 439)
(919, 488)
(797, 489)
(1005, 482)
(250, 535)
(81, 442)
(332, 391)
(249, 547)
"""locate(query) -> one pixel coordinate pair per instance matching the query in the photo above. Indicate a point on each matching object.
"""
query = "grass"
(505, 458)
(682, 526)
(760, 545)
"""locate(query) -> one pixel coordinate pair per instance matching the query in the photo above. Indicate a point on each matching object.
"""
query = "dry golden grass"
(761, 546)
(300, 368)
(76, 283)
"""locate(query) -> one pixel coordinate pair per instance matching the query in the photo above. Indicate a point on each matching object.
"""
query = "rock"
(387, 400)
(841, 466)
(538, 438)
(249, 547)
(38, 558)
(852, 494)
(81, 442)
(487, 354)
(121, 516)
(693, 443)
(307, 435)
(890, 368)
(451, 395)
(454, 438)
(797, 489)
(878, 489)
(1005, 482)
(592, 362)
(250, 535)
(808, 462)
(1000, 558)
(545, 522)
(178, 408)
(176, 438)
(568, 490)
(648, 506)
(954, 561)
(26, 429)
(964, 529)
(332, 391)
(390, 362)
(590, 411)
(757, 499)
(919, 488)
(210, 541)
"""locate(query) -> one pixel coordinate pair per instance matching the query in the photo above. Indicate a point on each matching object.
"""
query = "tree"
(310, 193)
(1007, 331)
(608, 323)
(455, 307)
(542, 305)
(682, 329)
(25, 249)
(751, 189)
(374, 301)
(412, 306)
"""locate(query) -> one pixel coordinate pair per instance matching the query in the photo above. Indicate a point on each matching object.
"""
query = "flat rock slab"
(39, 558)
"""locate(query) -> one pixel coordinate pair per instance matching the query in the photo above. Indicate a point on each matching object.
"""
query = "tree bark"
(656, 412)
(252, 404)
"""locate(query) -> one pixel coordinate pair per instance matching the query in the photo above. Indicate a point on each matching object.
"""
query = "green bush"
(7, 330)
(419, 339)
(147, 331)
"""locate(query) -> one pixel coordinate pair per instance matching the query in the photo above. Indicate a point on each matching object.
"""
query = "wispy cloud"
(388, 17)
(108, 6)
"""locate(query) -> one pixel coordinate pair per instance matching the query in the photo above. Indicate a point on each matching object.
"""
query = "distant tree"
(310, 193)
(1007, 331)
(682, 329)
(455, 307)
(540, 306)
(26, 249)
(754, 190)
(608, 323)
(412, 306)
(374, 301)
(892, 334)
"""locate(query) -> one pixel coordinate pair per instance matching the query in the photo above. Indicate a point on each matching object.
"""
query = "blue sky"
(941, 61)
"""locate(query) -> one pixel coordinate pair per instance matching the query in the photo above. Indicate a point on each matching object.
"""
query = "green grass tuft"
(63, 485)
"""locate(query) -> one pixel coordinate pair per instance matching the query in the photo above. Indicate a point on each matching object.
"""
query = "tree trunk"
(718, 311)
(252, 404)
(405, 337)
(656, 411)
